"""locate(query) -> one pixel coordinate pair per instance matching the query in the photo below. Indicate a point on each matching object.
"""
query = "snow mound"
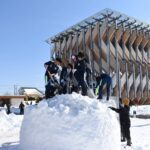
(70, 122)
(9, 127)
(8, 122)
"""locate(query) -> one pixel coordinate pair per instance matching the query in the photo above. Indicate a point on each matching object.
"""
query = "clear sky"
(26, 24)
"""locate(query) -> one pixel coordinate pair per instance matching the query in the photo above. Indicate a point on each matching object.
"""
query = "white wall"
(15, 102)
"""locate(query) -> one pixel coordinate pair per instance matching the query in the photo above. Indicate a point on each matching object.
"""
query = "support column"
(83, 44)
(134, 87)
(91, 54)
(70, 50)
(148, 56)
(108, 51)
(59, 52)
(65, 49)
(123, 49)
(77, 42)
(100, 48)
(130, 44)
(127, 80)
(147, 79)
(117, 68)
(141, 81)
(55, 50)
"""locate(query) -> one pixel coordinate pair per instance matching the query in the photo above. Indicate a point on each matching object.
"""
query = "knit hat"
(125, 101)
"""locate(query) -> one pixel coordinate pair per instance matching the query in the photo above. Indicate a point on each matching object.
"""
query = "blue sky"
(26, 24)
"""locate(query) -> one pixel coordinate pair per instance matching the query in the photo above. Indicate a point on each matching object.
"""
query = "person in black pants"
(80, 67)
(21, 107)
(124, 119)
(101, 81)
(66, 77)
(51, 82)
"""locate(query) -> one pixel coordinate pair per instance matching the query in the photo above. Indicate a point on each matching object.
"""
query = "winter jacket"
(80, 67)
(124, 115)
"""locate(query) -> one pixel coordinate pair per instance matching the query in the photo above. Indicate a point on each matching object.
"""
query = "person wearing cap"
(124, 119)
(52, 68)
(80, 67)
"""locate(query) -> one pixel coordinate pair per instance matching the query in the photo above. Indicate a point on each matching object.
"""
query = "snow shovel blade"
(90, 93)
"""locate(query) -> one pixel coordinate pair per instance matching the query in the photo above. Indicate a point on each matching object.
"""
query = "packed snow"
(70, 122)
(9, 128)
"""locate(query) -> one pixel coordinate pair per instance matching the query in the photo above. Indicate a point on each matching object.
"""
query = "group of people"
(75, 76)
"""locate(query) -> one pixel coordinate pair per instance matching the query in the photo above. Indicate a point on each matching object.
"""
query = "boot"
(123, 140)
(129, 142)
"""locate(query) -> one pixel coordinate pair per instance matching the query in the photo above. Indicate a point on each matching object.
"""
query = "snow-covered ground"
(89, 126)
(9, 129)
(140, 110)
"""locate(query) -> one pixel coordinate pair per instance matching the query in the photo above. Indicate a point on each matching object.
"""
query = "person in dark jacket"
(124, 119)
(66, 77)
(21, 107)
(80, 67)
(51, 82)
(88, 74)
(8, 108)
(101, 81)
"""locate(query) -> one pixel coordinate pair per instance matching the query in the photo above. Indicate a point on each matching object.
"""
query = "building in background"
(114, 43)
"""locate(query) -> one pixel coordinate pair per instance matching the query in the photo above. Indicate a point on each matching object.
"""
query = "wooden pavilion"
(114, 43)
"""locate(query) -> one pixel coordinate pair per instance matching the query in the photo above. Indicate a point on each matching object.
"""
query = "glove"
(110, 107)
(74, 70)
(62, 80)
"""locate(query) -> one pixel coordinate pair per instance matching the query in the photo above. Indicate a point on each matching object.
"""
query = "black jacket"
(52, 68)
(124, 115)
(80, 67)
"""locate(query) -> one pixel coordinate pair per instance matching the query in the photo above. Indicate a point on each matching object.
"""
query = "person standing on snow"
(21, 107)
(51, 70)
(124, 119)
(101, 81)
(66, 78)
(80, 67)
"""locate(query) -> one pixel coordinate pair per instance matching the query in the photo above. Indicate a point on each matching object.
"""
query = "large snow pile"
(9, 127)
(70, 122)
